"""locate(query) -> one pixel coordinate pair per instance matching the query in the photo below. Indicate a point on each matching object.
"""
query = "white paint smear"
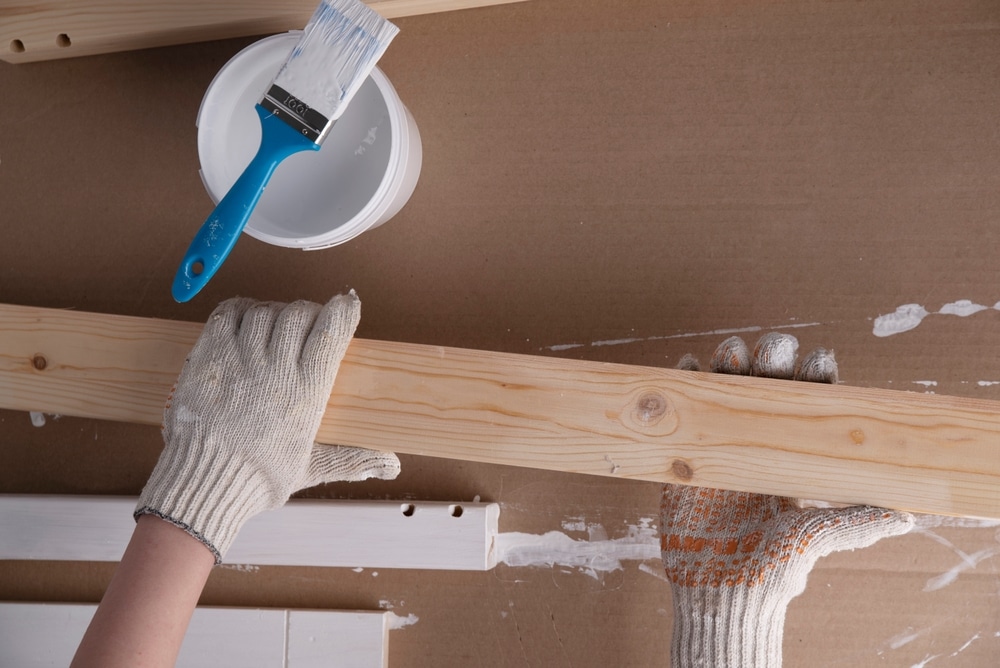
(934, 521)
(928, 658)
(909, 316)
(687, 335)
(617, 342)
(594, 556)
(564, 346)
(37, 419)
(398, 622)
(970, 562)
(242, 568)
(906, 637)
(966, 645)
(905, 318)
(656, 571)
(963, 308)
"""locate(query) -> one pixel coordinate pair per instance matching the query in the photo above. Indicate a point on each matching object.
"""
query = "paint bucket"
(363, 174)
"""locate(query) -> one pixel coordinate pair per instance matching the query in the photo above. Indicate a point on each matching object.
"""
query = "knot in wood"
(39, 362)
(682, 470)
(650, 408)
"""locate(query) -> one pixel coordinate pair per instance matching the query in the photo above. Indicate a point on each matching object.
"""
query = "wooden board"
(925, 453)
(368, 534)
(67, 28)
(47, 634)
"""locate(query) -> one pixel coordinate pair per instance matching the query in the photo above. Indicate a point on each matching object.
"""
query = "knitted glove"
(239, 426)
(735, 560)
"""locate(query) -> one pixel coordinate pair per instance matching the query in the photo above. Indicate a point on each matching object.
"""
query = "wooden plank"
(66, 28)
(926, 453)
(305, 532)
(47, 634)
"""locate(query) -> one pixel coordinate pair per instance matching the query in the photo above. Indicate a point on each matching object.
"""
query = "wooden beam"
(47, 634)
(67, 28)
(305, 532)
(926, 453)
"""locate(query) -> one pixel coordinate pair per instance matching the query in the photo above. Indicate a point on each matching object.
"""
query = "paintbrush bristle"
(338, 50)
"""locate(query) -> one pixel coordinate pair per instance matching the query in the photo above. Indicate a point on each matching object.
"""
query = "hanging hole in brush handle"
(217, 236)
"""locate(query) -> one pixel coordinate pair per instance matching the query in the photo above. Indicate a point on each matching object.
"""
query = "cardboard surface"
(612, 181)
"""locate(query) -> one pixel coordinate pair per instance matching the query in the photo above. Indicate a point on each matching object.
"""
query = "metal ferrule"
(293, 111)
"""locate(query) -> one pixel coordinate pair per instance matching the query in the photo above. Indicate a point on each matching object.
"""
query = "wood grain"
(47, 634)
(925, 453)
(304, 532)
(67, 28)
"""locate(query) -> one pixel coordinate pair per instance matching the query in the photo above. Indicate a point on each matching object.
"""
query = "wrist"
(727, 626)
(206, 491)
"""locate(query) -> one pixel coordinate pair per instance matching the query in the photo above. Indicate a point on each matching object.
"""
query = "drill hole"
(455, 510)
(17, 46)
(407, 509)
(197, 267)
(63, 40)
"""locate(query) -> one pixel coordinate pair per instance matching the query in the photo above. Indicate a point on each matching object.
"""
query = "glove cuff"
(727, 626)
(204, 490)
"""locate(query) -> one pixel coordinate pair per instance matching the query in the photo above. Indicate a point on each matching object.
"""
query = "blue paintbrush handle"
(218, 235)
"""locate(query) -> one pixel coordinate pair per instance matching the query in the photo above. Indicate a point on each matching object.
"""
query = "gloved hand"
(239, 427)
(735, 560)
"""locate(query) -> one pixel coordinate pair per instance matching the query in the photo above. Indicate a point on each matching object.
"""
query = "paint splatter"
(909, 316)
(967, 562)
(905, 318)
(656, 571)
(242, 568)
(906, 637)
(595, 556)
(574, 524)
(398, 622)
(687, 335)
(922, 522)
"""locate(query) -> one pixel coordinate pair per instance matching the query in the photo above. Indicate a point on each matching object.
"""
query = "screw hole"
(63, 40)
(197, 267)
(455, 510)
(407, 509)
(17, 46)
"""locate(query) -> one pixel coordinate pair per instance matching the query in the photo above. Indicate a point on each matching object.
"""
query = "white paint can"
(361, 177)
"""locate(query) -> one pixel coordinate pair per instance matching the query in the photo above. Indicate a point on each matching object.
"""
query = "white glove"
(239, 427)
(735, 559)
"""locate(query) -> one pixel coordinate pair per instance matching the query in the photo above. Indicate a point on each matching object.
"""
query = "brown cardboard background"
(594, 172)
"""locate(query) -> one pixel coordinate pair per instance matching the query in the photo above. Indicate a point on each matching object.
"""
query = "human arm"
(145, 611)
(238, 435)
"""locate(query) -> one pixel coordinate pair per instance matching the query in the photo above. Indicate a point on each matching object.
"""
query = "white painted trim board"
(305, 532)
(47, 634)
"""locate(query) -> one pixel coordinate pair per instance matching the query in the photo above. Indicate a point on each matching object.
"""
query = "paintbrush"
(338, 50)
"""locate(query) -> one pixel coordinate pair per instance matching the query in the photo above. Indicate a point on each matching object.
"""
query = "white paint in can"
(363, 174)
